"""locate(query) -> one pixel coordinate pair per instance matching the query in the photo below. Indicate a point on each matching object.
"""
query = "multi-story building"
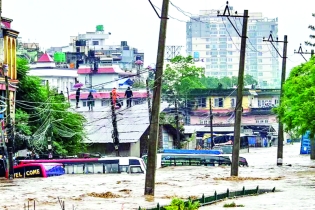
(257, 106)
(215, 40)
(61, 79)
(8, 46)
(123, 55)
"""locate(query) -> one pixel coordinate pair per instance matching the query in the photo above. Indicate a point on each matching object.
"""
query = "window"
(233, 102)
(214, 59)
(230, 52)
(222, 53)
(202, 102)
(223, 59)
(261, 120)
(95, 42)
(222, 66)
(204, 122)
(208, 53)
(229, 45)
(218, 102)
(207, 46)
(230, 59)
(208, 60)
(260, 53)
(264, 103)
(207, 39)
(259, 60)
(230, 66)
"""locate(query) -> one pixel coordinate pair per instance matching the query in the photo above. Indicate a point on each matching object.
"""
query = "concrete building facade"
(215, 41)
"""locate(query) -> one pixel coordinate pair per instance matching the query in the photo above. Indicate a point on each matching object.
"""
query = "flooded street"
(295, 183)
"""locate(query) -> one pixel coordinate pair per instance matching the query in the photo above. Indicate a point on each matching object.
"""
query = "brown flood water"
(111, 192)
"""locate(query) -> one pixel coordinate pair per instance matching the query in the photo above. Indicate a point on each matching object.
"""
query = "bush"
(179, 204)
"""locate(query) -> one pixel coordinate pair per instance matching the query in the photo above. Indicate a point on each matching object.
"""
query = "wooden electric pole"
(239, 98)
(284, 64)
(155, 114)
(177, 124)
(114, 122)
(148, 98)
(211, 123)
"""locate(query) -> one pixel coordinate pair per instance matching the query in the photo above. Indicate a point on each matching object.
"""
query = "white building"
(214, 40)
(61, 79)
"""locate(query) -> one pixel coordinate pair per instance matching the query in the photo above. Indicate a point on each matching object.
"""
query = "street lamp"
(9, 130)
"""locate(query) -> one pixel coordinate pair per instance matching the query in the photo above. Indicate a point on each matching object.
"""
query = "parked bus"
(165, 160)
(107, 165)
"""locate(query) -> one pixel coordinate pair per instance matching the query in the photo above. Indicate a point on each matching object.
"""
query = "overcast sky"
(52, 22)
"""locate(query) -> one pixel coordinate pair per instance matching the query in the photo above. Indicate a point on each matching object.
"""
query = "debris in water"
(237, 178)
(149, 198)
(125, 191)
(103, 195)
(161, 183)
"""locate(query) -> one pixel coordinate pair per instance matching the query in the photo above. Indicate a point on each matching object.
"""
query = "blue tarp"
(126, 81)
(186, 151)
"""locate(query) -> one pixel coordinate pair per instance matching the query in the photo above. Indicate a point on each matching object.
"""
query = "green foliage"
(179, 204)
(312, 36)
(297, 106)
(233, 204)
(180, 77)
(226, 82)
(139, 85)
(41, 112)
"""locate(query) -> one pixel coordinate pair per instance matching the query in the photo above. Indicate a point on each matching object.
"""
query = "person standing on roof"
(128, 95)
(114, 96)
(77, 97)
(90, 99)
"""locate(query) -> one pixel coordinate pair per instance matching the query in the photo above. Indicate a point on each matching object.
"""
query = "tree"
(226, 82)
(249, 80)
(312, 36)
(40, 112)
(180, 77)
(297, 104)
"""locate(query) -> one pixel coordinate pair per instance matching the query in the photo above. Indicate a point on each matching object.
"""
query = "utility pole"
(114, 122)
(238, 107)
(154, 123)
(284, 63)
(211, 123)
(177, 124)
(300, 51)
(9, 128)
(50, 133)
(148, 98)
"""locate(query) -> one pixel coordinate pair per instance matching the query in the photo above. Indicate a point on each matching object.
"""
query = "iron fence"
(219, 197)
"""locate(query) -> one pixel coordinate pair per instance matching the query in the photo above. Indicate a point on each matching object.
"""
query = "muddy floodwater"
(296, 184)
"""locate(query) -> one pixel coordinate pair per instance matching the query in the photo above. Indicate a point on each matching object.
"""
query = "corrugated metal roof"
(131, 123)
